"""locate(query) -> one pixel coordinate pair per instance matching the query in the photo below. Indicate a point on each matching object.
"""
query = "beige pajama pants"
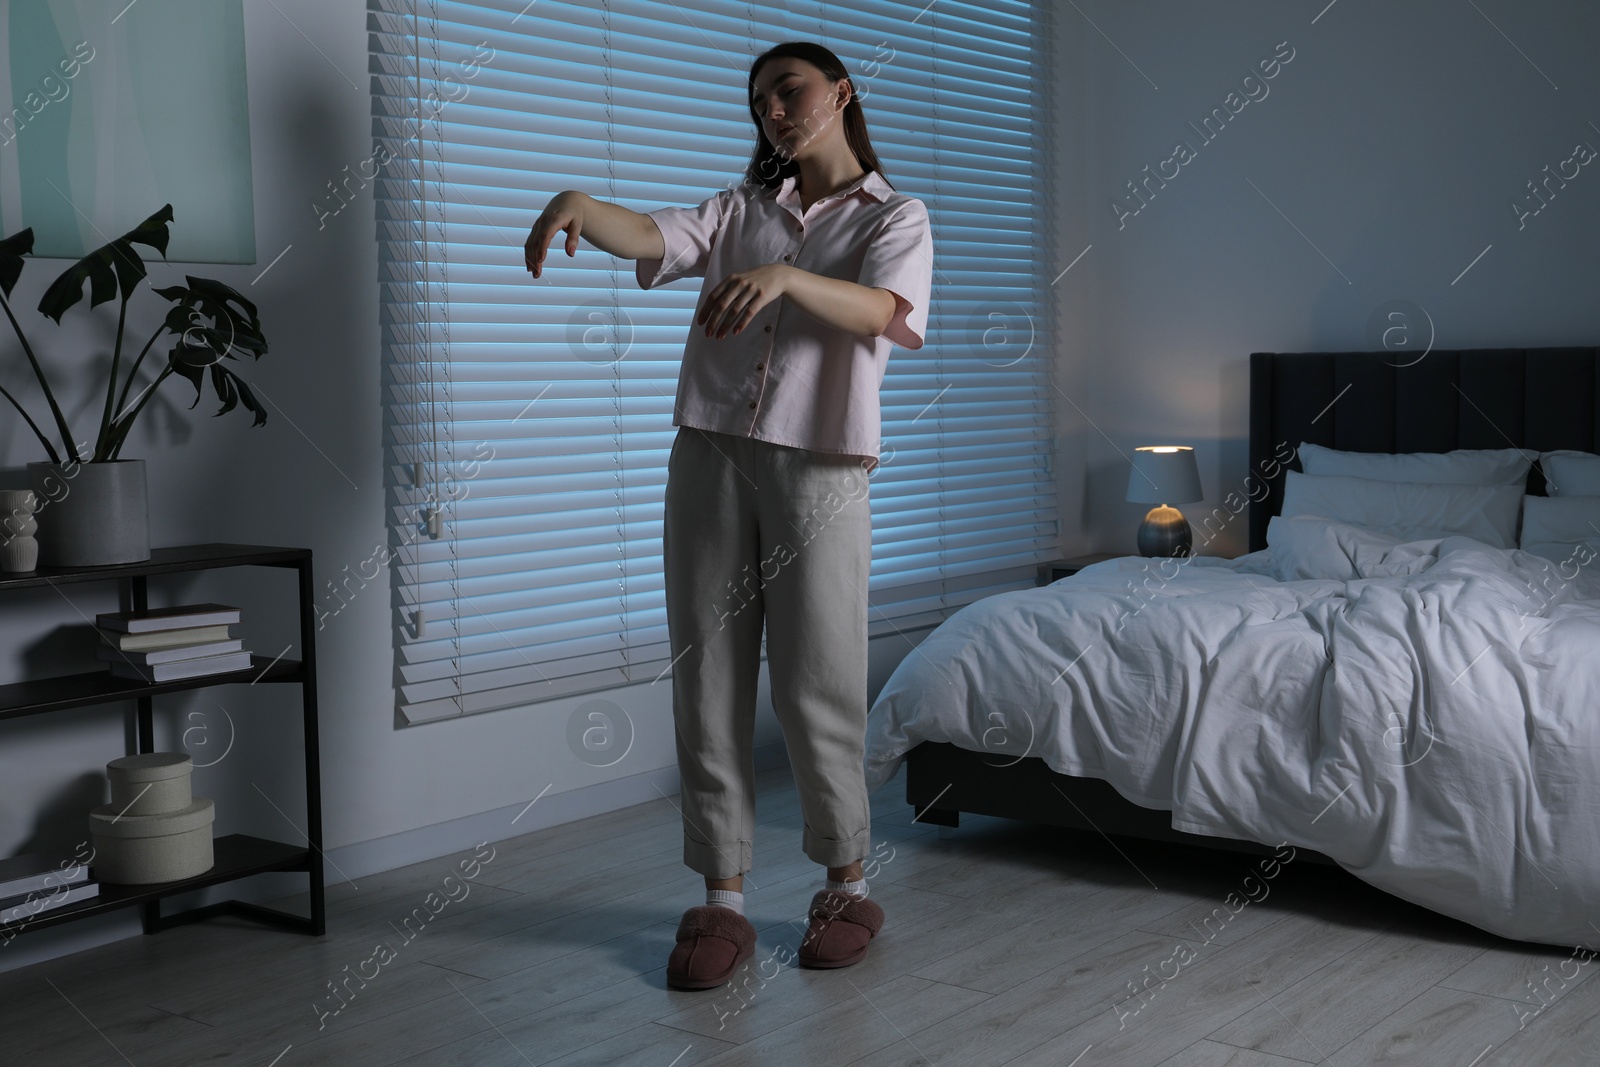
(756, 532)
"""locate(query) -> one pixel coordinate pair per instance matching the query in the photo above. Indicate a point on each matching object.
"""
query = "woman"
(814, 268)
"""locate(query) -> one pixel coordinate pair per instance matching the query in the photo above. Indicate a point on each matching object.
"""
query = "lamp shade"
(1164, 474)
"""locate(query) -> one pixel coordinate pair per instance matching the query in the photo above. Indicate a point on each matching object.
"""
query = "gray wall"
(310, 477)
(1393, 144)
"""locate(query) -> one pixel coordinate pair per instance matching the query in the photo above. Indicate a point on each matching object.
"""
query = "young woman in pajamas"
(814, 268)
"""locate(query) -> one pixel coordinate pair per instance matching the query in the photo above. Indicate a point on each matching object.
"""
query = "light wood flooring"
(1004, 943)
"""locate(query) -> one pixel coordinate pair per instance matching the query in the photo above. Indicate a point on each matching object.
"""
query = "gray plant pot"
(91, 514)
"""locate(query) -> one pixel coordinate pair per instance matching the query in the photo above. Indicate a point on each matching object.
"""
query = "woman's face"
(798, 106)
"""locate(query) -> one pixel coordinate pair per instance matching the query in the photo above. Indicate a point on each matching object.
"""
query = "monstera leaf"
(12, 249)
(111, 269)
(210, 313)
(192, 360)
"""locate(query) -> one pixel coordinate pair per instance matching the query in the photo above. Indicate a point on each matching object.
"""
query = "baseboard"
(515, 820)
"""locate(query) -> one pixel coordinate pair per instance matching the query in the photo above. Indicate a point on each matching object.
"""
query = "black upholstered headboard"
(1540, 399)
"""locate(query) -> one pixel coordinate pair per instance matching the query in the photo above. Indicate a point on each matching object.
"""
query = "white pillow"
(1569, 473)
(1411, 511)
(1564, 530)
(1464, 466)
(1566, 520)
(1307, 547)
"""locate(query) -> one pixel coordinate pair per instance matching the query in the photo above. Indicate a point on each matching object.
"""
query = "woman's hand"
(564, 212)
(736, 299)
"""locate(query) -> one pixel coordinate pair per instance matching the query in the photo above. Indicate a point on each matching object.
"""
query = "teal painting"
(110, 109)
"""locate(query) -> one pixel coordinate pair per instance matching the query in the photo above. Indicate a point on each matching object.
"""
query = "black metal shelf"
(40, 695)
(163, 561)
(234, 855)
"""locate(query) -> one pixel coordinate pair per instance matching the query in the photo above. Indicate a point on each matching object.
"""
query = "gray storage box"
(151, 783)
(142, 849)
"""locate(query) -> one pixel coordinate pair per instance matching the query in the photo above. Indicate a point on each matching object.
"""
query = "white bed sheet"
(1426, 714)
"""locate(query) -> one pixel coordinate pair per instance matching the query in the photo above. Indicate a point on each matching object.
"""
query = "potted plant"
(96, 503)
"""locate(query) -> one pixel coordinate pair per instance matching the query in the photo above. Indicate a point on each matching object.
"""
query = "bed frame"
(1541, 399)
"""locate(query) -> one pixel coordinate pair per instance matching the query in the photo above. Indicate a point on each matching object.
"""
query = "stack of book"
(161, 644)
(32, 884)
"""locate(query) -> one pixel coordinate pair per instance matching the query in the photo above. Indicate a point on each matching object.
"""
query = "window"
(528, 422)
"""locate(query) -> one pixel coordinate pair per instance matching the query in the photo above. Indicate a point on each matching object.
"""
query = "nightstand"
(1058, 569)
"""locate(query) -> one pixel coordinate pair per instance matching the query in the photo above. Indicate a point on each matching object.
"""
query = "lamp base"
(1165, 532)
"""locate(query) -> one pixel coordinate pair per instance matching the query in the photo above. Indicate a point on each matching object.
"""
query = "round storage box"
(151, 783)
(141, 849)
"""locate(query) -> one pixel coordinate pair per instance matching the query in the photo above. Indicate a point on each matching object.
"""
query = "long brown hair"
(767, 168)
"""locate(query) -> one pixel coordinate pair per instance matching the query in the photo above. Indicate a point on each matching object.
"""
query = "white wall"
(1066, 53)
(310, 477)
(1395, 140)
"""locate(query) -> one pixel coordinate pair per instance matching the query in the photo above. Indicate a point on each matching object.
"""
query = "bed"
(1423, 711)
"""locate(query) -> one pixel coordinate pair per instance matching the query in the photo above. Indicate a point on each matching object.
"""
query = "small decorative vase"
(19, 552)
(95, 514)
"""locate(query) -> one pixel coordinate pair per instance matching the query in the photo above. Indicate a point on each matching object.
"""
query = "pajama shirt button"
(752, 405)
(758, 366)
(767, 328)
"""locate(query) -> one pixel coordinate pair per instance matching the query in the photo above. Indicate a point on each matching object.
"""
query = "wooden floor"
(1004, 944)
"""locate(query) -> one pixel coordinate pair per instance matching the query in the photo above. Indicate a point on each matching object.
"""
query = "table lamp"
(1164, 475)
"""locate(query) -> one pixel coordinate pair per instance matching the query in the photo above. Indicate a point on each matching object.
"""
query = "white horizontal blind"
(540, 412)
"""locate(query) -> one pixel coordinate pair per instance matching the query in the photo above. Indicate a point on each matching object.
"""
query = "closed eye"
(794, 86)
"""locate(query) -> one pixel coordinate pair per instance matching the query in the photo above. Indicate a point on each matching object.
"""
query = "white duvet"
(1426, 713)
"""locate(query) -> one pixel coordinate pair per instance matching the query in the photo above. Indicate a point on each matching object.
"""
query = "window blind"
(527, 424)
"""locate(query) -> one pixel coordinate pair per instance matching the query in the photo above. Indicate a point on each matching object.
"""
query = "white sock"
(727, 898)
(858, 889)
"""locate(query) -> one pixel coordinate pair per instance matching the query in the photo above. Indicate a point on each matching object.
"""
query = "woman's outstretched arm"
(609, 227)
(844, 305)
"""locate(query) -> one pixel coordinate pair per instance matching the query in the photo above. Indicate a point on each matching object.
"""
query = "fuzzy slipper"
(712, 942)
(840, 929)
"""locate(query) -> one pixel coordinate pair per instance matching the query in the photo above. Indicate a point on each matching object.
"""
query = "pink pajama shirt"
(787, 377)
